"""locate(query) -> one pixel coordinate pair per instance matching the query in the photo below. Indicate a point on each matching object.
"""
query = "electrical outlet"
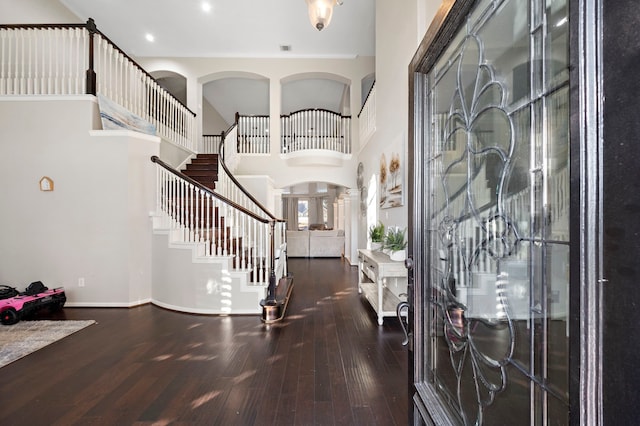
(80, 282)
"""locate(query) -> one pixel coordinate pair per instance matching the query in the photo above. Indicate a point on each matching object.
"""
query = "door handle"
(408, 263)
(405, 326)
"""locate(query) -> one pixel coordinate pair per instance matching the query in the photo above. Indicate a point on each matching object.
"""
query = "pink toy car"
(14, 306)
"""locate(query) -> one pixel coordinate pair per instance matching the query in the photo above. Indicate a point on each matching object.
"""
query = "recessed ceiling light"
(149, 37)
(206, 6)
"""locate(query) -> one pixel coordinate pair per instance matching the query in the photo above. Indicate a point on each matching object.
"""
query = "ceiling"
(238, 28)
(232, 28)
(242, 29)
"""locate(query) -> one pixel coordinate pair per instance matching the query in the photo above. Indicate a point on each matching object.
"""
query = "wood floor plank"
(326, 363)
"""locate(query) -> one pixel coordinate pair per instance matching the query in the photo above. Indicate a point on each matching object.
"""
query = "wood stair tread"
(203, 169)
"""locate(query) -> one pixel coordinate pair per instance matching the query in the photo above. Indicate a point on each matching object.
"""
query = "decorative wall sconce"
(46, 184)
(320, 12)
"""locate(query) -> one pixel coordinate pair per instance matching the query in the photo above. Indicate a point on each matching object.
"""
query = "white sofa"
(298, 243)
(315, 243)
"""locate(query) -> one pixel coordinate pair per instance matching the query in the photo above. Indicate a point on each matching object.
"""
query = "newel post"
(221, 146)
(91, 74)
(271, 289)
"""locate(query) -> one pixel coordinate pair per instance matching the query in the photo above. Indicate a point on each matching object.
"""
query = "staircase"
(223, 265)
(203, 169)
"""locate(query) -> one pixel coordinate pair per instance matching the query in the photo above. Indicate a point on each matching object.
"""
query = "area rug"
(25, 337)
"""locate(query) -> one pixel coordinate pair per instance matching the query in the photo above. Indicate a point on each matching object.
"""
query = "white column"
(277, 203)
(194, 103)
(340, 213)
(275, 95)
(351, 225)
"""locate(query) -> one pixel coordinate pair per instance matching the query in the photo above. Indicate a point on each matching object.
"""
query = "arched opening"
(172, 82)
(366, 84)
(310, 205)
(315, 91)
(222, 98)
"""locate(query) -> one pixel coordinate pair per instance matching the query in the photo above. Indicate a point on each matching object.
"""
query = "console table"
(374, 267)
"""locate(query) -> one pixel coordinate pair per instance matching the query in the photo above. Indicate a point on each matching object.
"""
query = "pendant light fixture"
(320, 12)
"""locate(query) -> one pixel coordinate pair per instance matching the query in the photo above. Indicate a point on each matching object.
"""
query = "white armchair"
(298, 243)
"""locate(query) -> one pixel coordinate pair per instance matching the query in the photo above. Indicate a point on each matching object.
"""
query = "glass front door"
(491, 275)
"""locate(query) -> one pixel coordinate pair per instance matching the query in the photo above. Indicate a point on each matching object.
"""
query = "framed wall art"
(392, 175)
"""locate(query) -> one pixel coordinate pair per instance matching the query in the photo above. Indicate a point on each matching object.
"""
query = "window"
(303, 214)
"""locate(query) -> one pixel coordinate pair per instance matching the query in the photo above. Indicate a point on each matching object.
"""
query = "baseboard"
(257, 311)
(106, 305)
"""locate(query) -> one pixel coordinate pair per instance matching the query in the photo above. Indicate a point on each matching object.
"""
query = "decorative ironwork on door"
(496, 157)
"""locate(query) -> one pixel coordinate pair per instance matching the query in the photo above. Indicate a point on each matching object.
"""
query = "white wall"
(173, 154)
(199, 287)
(261, 188)
(35, 12)
(95, 224)
(396, 43)
(212, 121)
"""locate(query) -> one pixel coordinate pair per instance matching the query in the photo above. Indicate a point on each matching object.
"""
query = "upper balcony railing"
(73, 59)
(310, 129)
(253, 134)
(313, 129)
(367, 116)
(210, 143)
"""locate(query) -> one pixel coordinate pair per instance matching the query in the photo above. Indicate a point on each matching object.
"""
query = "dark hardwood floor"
(326, 363)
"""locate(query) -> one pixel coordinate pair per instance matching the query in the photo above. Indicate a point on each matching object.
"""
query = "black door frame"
(593, 172)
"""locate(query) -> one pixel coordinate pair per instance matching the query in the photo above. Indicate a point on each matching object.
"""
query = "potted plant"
(396, 243)
(376, 234)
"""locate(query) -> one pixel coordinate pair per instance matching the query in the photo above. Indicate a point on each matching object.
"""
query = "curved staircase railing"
(315, 129)
(219, 227)
(230, 187)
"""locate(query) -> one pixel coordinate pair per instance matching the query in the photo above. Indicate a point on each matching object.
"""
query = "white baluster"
(259, 253)
(192, 213)
(218, 229)
(3, 61)
(13, 59)
(208, 230)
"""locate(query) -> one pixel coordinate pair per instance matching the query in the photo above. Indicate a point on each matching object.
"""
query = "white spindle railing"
(210, 144)
(57, 59)
(219, 227)
(123, 81)
(253, 134)
(43, 61)
(315, 129)
(367, 117)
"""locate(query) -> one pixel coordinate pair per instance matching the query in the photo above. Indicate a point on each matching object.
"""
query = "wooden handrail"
(197, 184)
(314, 109)
(367, 98)
(238, 115)
(319, 137)
(36, 26)
(91, 27)
(242, 188)
(143, 70)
